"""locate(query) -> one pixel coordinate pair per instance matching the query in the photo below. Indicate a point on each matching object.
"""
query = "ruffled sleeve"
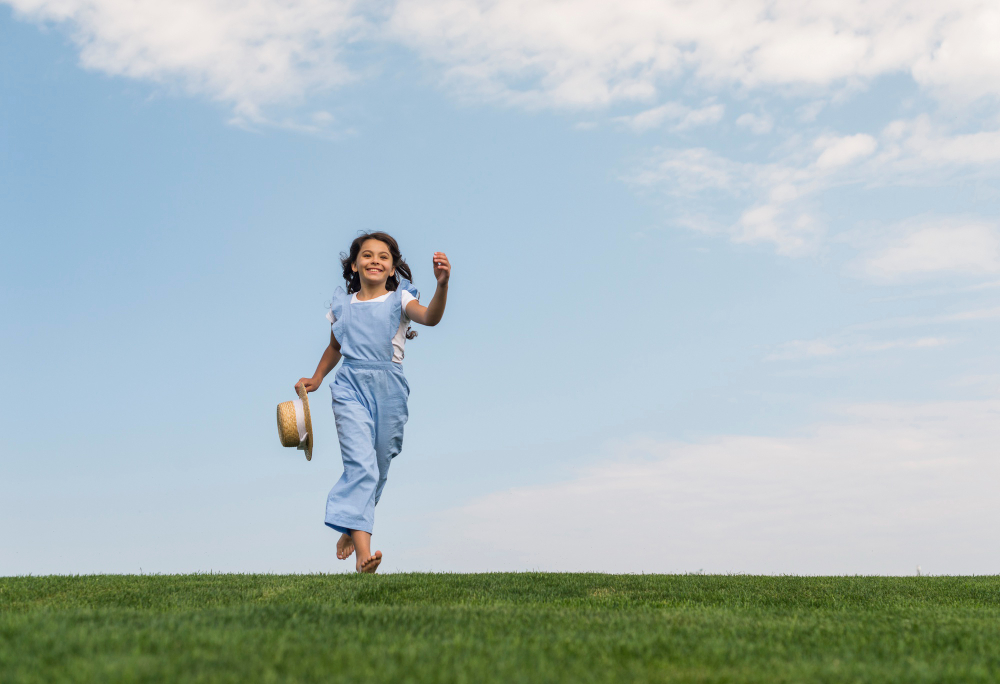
(405, 284)
(336, 313)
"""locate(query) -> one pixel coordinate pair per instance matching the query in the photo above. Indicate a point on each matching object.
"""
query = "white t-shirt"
(399, 339)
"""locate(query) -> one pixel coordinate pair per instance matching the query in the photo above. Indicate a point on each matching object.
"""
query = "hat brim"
(304, 396)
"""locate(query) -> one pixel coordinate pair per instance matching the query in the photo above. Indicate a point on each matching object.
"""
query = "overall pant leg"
(351, 503)
(390, 416)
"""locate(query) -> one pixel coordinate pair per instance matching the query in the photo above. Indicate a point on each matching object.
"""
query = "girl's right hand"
(310, 384)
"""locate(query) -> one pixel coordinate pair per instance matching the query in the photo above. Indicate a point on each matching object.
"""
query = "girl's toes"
(372, 562)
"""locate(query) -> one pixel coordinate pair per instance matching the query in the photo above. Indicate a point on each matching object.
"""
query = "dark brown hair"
(399, 265)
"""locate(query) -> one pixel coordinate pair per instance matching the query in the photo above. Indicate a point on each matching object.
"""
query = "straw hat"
(295, 424)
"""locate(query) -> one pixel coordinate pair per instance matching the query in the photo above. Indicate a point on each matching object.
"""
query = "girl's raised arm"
(331, 355)
(432, 313)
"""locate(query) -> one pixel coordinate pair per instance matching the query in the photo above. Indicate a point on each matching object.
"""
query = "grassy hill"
(531, 627)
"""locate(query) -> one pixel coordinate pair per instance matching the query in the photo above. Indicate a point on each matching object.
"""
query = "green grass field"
(531, 627)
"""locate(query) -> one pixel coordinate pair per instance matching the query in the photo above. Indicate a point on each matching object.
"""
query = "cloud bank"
(882, 489)
(246, 53)
(624, 56)
(584, 53)
(592, 53)
(970, 247)
(779, 199)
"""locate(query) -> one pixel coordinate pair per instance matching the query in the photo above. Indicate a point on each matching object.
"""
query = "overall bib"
(369, 405)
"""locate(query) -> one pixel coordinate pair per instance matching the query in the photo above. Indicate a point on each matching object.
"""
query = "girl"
(370, 326)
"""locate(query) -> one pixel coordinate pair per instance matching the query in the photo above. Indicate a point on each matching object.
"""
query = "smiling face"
(374, 263)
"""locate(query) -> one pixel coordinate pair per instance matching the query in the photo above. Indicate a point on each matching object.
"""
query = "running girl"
(370, 328)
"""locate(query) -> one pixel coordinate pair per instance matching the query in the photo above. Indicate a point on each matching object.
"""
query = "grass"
(530, 627)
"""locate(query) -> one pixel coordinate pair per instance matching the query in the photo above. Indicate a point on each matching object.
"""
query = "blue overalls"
(369, 404)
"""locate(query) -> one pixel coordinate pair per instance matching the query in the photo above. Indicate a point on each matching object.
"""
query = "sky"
(725, 299)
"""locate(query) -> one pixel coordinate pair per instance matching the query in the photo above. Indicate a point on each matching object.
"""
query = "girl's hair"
(399, 265)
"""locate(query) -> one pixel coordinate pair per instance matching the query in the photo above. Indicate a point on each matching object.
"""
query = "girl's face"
(374, 263)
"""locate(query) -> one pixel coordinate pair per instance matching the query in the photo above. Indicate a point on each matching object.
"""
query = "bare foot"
(369, 564)
(345, 547)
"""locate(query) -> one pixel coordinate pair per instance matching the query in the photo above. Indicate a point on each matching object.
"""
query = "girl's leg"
(390, 414)
(390, 418)
(366, 560)
(351, 503)
(370, 417)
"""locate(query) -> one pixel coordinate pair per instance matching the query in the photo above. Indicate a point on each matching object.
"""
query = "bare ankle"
(362, 543)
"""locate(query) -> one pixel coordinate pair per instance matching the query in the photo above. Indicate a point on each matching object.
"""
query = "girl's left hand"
(442, 268)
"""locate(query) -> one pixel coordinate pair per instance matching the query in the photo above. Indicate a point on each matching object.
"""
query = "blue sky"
(725, 292)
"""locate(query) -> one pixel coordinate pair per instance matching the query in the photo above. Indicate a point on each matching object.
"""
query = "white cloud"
(974, 315)
(585, 53)
(839, 151)
(917, 145)
(256, 54)
(700, 117)
(654, 118)
(690, 171)
(964, 62)
(591, 52)
(793, 233)
(757, 123)
(777, 200)
(967, 316)
(776, 194)
(246, 53)
(823, 348)
(809, 112)
(881, 490)
(681, 117)
(858, 339)
(969, 247)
